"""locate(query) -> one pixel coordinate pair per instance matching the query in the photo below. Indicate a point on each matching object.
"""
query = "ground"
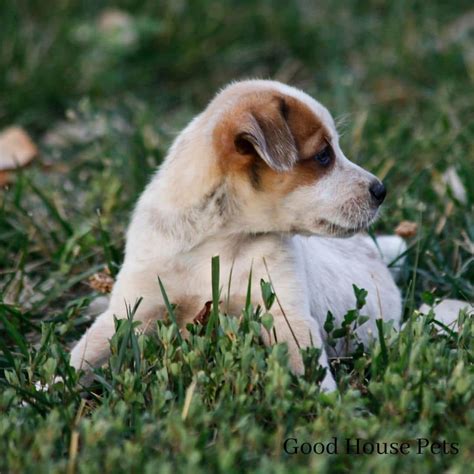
(102, 92)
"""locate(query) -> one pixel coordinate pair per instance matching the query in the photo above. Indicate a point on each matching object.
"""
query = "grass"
(104, 106)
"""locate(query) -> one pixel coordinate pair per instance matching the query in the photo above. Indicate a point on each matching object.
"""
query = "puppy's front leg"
(300, 333)
(93, 348)
(292, 319)
(294, 325)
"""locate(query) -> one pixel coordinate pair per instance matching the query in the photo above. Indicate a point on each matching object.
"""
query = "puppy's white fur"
(191, 211)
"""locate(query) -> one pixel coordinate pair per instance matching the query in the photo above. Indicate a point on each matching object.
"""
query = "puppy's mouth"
(338, 230)
(335, 230)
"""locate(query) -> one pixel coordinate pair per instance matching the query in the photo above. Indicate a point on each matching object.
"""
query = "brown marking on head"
(255, 126)
(270, 139)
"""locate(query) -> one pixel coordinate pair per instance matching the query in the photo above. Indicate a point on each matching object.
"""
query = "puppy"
(259, 179)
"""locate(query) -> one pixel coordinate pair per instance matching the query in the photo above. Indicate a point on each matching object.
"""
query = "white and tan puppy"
(258, 176)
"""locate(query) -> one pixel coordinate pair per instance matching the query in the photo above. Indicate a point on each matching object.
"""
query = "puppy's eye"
(324, 156)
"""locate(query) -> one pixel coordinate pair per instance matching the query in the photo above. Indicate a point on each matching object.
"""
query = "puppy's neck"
(185, 205)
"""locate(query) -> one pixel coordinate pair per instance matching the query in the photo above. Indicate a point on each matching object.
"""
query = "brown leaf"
(5, 178)
(118, 26)
(16, 148)
(113, 18)
(102, 282)
(203, 316)
(406, 229)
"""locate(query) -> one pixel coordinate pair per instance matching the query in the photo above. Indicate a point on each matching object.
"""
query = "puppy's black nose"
(378, 191)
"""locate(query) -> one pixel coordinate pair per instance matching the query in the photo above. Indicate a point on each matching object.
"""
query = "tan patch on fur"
(186, 309)
(308, 132)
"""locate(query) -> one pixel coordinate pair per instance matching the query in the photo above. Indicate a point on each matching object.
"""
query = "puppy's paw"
(328, 384)
(296, 362)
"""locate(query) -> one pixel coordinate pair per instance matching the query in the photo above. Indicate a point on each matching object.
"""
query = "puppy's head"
(278, 148)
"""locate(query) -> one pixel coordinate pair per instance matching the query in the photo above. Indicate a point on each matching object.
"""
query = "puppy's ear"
(266, 132)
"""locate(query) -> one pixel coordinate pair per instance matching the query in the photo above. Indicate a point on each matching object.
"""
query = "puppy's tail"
(392, 249)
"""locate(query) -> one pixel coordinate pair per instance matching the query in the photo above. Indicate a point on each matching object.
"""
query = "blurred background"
(102, 88)
(92, 93)
(173, 53)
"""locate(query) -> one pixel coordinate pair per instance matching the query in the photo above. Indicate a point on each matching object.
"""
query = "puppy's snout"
(378, 191)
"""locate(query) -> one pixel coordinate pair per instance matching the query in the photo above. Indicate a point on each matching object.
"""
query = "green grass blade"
(169, 308)
(215, 277)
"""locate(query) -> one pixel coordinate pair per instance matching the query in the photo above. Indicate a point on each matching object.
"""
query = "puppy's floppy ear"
(266, 132)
